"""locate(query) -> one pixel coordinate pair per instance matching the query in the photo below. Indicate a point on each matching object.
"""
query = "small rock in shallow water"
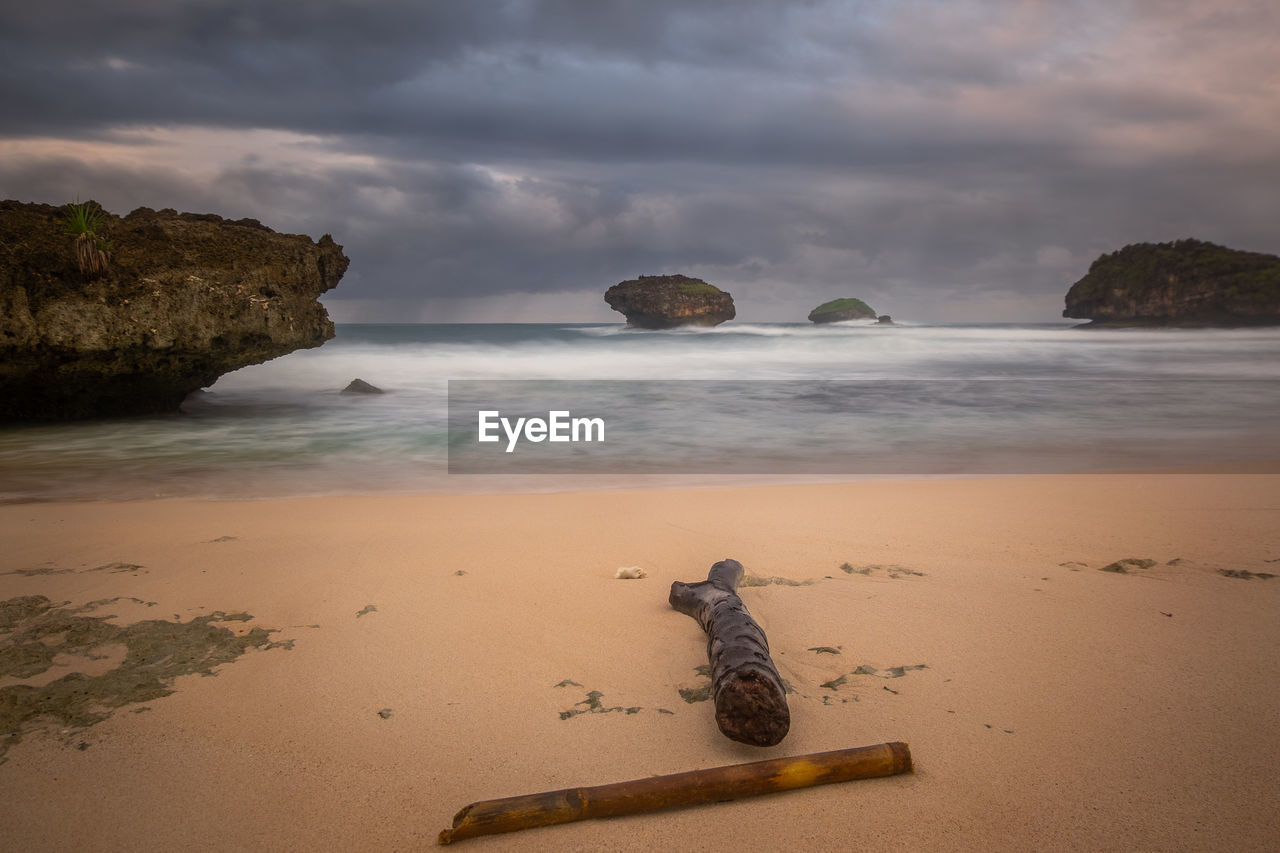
(359, 386)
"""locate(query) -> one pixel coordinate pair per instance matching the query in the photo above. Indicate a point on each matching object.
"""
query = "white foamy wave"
(286, 426)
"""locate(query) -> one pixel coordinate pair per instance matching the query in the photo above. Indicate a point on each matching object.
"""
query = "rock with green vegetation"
(1183, 283)
(183, 299)
(670, 301)
(839, 310)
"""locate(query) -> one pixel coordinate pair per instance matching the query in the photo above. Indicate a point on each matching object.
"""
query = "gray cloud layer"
(941, 158)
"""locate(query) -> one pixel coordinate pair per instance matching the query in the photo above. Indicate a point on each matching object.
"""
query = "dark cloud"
(922, 151)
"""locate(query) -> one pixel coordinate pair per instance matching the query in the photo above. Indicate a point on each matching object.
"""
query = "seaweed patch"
(592, 704)
(1245, 574)
(118, 568)
(701, 693)
(867, 669)
(1128, 565)
(893, 570)
(695, 694)
(890, 672)
(752, 580)
(34, 631)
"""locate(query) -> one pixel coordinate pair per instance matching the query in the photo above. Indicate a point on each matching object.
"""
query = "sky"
(509, 161)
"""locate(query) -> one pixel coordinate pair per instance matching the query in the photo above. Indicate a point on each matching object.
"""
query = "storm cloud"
(511, 160)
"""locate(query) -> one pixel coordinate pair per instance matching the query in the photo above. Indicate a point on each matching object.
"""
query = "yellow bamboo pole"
(489, 817)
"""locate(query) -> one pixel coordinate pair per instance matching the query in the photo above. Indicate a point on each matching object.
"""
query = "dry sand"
(1060, 708)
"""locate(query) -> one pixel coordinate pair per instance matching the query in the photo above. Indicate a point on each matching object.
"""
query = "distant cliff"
(184, 299)
(670, 301)
(1184, 283)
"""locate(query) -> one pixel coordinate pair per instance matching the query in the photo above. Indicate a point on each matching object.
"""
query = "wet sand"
(379, 662)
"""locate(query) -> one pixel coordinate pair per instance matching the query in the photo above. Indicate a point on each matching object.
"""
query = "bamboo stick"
(489, 817)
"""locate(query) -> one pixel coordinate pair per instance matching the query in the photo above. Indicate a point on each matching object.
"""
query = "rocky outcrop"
(839, 310)
(885, 320)
(359, 386)
(186, 298)
(670, 301)
(1184, 283)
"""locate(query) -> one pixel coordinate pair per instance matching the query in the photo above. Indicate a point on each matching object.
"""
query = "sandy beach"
(429, 651)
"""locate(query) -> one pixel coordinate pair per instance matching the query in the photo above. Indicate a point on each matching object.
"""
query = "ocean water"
(738, 403)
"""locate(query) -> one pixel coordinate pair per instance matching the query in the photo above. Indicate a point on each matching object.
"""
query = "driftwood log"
(750, 699)
(489, 817)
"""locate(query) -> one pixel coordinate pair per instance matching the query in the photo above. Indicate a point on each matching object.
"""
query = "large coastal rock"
(1184, 283)
(839, 310)
(669, 301)
(187, 298)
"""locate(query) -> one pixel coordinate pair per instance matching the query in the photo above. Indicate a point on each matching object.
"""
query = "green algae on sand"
(34, 631)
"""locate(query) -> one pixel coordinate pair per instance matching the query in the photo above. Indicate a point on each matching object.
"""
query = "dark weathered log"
(655, 793)
(750, 699)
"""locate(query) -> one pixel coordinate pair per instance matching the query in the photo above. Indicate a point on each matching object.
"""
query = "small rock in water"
(628, 572)
(359, 386)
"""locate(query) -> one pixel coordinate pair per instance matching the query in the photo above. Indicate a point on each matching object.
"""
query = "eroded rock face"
(670, 301)
(188, 298)
(1187, 283)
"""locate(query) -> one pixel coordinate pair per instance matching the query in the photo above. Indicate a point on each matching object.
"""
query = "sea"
(741, 403)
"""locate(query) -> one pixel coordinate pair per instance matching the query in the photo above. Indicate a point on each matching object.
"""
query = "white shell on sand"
(627, 572)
